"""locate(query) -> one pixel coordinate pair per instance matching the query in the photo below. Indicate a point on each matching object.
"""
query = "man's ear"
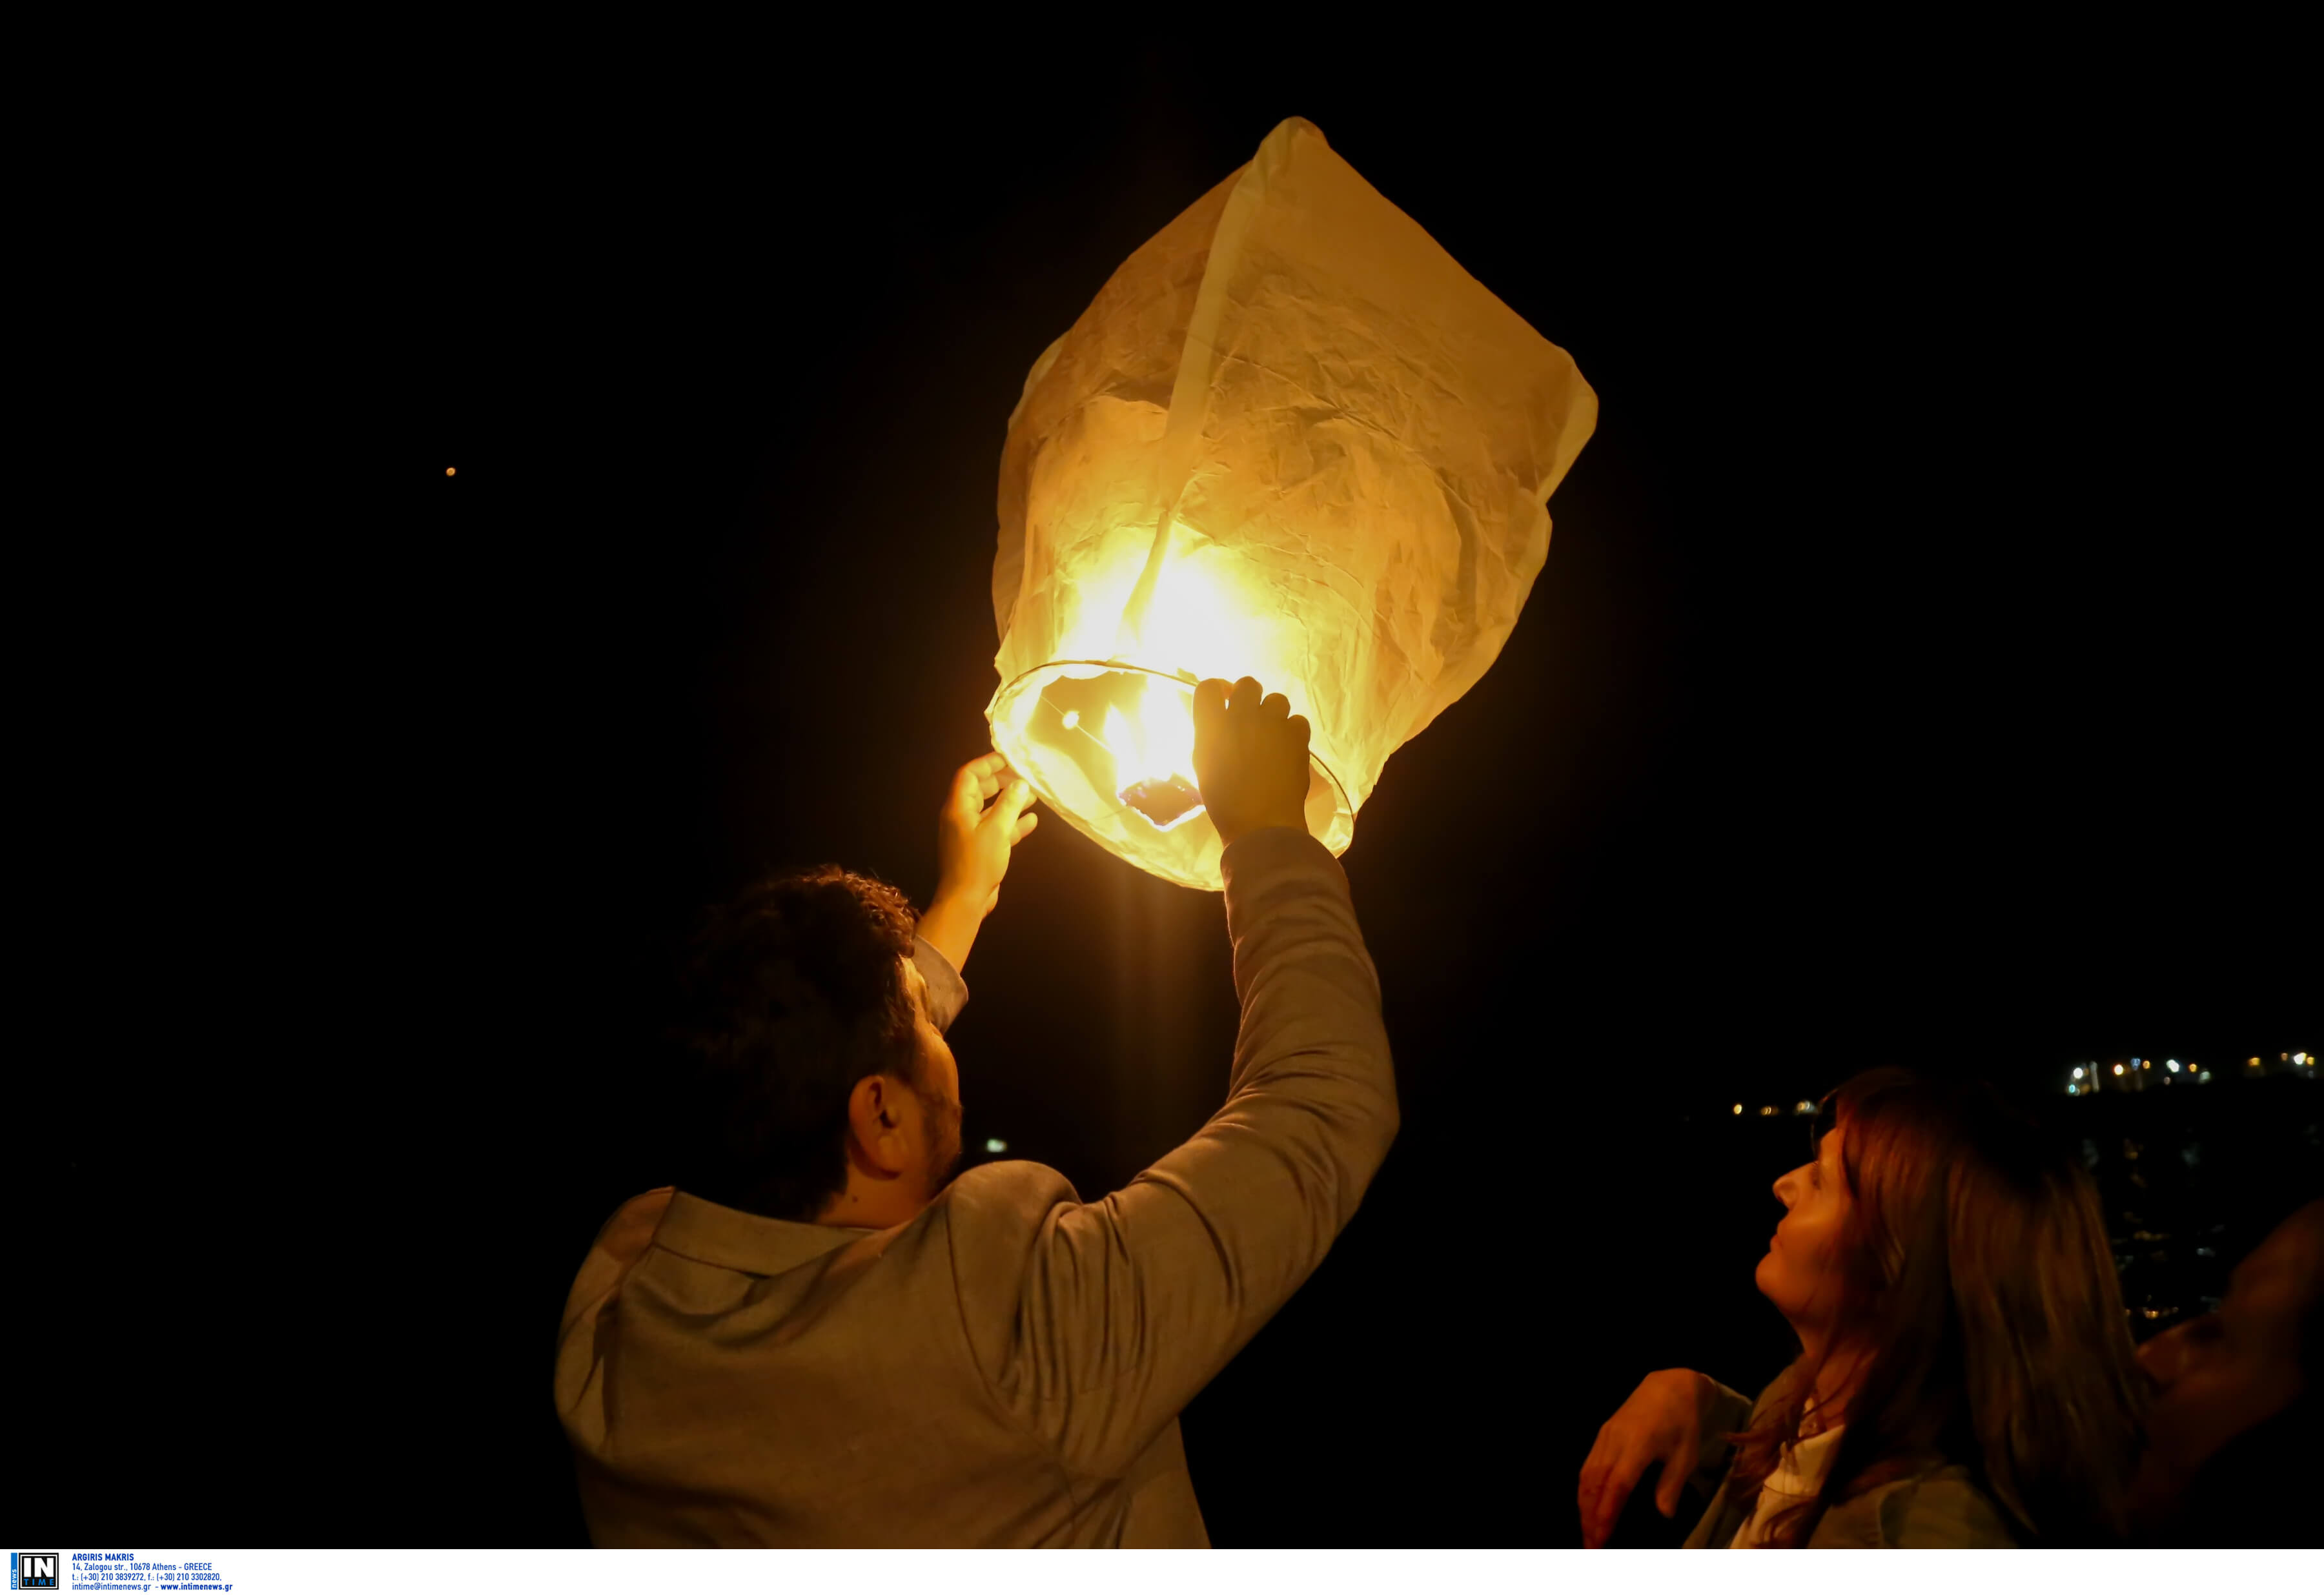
(875, 1127)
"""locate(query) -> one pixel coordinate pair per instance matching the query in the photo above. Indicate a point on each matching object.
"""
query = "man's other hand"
(1250, 758)
(985, 815)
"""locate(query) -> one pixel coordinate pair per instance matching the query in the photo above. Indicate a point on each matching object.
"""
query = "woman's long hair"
(1978, 1290)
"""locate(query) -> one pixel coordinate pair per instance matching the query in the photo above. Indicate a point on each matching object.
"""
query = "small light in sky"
(995, 1144)
(1072, 719)
(448, 470)
(2255, 1063)
(1738, 1107)
(2078, 1073)
(2117, 1068)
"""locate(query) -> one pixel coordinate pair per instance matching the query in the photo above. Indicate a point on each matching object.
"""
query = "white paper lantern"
(1290, 438)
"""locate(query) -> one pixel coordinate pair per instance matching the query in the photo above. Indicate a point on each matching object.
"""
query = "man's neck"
(871, 1204)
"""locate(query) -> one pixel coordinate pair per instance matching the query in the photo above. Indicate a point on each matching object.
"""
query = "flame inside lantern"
(1153, 749)
(1106, 732)
(1109, 745)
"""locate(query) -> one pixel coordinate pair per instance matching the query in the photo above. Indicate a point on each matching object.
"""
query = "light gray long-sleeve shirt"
(1007, 1369)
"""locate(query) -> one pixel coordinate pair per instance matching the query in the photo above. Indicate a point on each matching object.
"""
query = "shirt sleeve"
(1095, 1323)
(947, 993)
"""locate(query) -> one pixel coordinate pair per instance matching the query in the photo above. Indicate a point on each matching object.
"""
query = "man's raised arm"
(1109, 1315)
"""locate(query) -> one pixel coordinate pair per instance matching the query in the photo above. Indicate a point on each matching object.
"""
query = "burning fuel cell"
(1168, 801)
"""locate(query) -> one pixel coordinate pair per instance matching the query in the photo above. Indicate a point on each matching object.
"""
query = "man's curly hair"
(791, 993)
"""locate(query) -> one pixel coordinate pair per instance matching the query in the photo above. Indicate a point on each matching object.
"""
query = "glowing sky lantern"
(1290, 438)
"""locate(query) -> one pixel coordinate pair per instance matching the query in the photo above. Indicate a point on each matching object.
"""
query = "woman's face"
(1801, 1272)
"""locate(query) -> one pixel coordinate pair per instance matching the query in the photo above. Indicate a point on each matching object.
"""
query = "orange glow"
(447, 470)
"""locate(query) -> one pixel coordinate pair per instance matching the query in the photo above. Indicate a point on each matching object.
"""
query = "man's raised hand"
(1250, 758)
(986, 811)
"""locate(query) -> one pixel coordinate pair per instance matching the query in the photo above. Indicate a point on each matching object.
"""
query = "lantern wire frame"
(1186, 853)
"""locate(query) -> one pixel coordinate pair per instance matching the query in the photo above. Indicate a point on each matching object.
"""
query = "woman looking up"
(1966, 1375)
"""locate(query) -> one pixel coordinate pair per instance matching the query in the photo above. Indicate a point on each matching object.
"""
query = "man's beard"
(943, 1139)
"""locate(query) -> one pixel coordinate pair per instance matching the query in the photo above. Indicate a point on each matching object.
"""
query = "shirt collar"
(727, 1237)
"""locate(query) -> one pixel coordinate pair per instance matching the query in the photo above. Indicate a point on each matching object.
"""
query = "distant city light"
(2255, 1063)
(2206, 1075)
(447, 470)
(2078, 1073)
(2300, 1057)
(2172, 1064)
(995, 1144)
(1803, 1108)
(1738, 1107)
(2117, 1068)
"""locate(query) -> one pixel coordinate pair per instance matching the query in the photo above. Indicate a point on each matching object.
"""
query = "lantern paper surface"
(1290, 438)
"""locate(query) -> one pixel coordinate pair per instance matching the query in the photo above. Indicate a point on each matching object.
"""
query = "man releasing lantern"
(1290, 438)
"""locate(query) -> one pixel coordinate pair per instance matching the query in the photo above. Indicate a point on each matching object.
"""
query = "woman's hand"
(1661, 1421)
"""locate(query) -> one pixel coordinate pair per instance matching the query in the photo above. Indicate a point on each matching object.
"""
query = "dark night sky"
(1920, 673)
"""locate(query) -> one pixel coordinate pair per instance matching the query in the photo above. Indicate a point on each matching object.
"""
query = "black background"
(1923, 672)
